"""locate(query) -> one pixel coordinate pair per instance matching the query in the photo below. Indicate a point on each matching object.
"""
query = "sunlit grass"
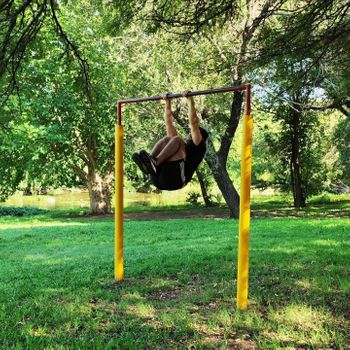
(6, 226)
(57, 289)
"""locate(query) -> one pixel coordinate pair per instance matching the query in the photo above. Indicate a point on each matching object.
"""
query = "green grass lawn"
(57, 289)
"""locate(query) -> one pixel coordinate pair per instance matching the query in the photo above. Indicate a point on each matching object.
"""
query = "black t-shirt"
(194, 154)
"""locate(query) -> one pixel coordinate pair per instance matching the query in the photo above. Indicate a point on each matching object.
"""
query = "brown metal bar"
(177, 95)
(191, 93)
(119, 113)
(247, 101)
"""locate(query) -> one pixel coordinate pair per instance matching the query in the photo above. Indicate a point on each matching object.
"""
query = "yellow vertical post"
(118, 216)
(244, 214)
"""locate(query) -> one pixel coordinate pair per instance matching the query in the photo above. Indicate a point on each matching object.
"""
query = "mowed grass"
(57, 289)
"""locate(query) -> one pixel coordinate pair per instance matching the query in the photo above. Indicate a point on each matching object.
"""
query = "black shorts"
(170, 175)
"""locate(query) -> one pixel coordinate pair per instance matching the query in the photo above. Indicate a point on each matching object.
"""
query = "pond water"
(74, 200)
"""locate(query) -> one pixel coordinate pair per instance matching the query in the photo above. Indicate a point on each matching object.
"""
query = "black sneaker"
(149, 162)
(137, 159)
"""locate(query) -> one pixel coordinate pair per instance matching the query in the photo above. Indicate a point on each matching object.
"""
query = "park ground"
(57, 289)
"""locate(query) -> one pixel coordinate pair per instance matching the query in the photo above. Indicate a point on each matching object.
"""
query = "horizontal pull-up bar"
(191, 93)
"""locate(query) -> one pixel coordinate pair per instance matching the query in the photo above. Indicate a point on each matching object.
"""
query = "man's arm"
(193, 121)
(168, 116)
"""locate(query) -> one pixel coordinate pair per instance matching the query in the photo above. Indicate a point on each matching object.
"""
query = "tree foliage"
(64, 65)
(20, 24)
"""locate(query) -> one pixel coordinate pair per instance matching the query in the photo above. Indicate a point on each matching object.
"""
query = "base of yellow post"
(118, 224)
(244, 214)
(119, 275)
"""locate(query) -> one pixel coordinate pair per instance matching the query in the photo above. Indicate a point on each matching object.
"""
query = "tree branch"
(79, 172)
(82, 62)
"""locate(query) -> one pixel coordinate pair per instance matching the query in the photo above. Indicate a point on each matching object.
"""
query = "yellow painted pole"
(244, 214)
(118, 216)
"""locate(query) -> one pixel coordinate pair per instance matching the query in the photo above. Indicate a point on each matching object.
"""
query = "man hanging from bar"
(173, 161)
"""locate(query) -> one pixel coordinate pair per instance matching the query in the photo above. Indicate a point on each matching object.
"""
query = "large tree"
(306, 61)
(297, 136)
(74, 113)
(251, 34)
(227, 31)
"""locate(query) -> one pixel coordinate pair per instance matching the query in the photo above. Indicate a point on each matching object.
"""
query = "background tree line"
(64, 64)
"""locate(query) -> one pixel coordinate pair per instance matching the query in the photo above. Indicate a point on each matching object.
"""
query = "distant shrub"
(193, 198)
(321, 199)
(21, 211)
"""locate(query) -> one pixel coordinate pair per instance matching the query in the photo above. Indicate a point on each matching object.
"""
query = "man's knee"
(177, 139)
(166, 139)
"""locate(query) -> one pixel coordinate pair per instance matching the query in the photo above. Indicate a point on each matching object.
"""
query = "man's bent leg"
(174, 150)
(158, 147)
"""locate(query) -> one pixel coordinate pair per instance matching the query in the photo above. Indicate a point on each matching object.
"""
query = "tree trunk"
(205, 195)
(344, 110)
(88, 171)
(298, 193)
(223, 181)
(299, 198)
(100, 196)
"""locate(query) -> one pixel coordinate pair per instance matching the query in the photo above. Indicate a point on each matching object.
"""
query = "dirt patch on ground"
(166, 294)
(222, 213)
(198, 213)
(195, 213)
